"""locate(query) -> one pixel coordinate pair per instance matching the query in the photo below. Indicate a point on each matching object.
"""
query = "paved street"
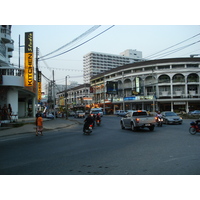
(168, 150)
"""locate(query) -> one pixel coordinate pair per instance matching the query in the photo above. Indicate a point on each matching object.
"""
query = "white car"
(50, 116)
(96, 111)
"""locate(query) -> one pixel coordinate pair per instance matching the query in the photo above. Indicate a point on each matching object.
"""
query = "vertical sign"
(39, 86)
(28, 69)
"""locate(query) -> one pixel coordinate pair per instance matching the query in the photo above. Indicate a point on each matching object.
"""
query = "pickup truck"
(138, 119)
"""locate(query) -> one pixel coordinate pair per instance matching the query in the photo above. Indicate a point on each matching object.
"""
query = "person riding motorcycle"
(158, 114)
(88, 120)
(98, 117)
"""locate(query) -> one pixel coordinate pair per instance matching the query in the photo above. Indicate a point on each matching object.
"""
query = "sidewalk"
(29, 126)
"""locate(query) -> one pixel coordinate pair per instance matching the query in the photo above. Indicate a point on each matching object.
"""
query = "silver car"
(171, 118)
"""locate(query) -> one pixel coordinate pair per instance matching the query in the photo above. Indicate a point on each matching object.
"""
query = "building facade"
(79, 97)
(95, 62)
(165, 84)
(12, 90)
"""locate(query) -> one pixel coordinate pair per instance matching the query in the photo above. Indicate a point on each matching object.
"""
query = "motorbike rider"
(98, 117)
(158, 114)
(88, 120)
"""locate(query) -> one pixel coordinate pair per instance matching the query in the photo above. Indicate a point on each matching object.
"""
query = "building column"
(172, 106)
(12, 99)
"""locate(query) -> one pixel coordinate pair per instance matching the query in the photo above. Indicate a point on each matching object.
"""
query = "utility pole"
(36, 98)
(54, 102)
(66, 105)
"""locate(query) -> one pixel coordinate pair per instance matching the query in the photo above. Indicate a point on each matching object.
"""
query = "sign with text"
(39, 86)
(28, 62)
(112, 87)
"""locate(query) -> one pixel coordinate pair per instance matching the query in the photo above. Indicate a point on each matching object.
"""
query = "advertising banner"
(39, 86)
(28, 62)
(112, 87)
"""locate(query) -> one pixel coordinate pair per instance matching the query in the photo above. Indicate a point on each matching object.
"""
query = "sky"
(149, 39)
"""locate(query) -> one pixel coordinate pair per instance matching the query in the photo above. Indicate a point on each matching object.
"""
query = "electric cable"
(175, 50)
(76, 39)
(79, 44)
(172, 46)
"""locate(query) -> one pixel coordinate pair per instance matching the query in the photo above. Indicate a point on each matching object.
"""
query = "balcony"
(5, 35)
(12, 76)
(10, 45)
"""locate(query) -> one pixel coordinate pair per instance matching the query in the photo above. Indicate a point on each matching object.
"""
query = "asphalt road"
(109, 150)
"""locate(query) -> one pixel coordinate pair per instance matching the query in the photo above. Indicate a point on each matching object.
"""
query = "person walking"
(39, 124)
(9, 112)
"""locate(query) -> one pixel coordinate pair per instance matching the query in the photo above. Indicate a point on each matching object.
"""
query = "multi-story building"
(76, 97)
(167, 84)
(12, 90)
(95, 62)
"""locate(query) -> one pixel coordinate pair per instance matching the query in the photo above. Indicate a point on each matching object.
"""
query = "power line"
(175, 50)
(172, 46)
(75, 40)
(79, 44)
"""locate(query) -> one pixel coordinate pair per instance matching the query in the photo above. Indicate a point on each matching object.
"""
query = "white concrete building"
(95, 62)
(12, 90)
(171, 84)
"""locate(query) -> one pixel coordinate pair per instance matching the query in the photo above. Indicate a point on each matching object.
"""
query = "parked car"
(50, 116)
(71, 113)
(120, 113)
(171, 118)
(195, 112)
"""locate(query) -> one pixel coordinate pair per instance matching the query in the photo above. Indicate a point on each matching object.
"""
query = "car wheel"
(122, 126)
(151, 128)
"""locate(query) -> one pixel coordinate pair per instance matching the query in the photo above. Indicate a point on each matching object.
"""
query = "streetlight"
(66, 105)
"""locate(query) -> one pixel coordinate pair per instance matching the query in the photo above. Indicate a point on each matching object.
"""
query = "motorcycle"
(98, 122)
(194, 127)
(88, 129)
(159, 121)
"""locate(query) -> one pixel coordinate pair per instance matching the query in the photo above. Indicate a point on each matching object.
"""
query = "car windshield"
(95, 112)
(170, 114)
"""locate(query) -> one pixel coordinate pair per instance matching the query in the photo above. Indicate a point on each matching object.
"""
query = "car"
(120, 113)
(50, 116)
(96, 111)
(170, 117)
(195, 112)
(79, 113)
(71, 113)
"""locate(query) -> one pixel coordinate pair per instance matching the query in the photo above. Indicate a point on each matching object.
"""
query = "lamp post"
(66, 105)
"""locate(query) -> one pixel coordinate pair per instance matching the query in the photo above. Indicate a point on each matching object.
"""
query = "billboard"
(28, 62)
(39, 86)
(112, 87)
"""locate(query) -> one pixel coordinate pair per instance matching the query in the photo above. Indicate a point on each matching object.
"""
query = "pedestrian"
(5, 112)
(39, 124)
(9, 112)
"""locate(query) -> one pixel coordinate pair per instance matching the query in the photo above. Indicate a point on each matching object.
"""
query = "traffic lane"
(167, 150)
(109, 150)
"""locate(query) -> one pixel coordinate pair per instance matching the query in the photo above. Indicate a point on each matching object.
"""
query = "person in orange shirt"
(39, 124)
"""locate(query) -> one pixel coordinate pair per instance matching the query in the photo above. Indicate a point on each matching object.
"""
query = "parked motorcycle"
(194, 127)
(159, 121)
(87, 130)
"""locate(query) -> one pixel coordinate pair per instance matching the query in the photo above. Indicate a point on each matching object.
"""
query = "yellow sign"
(39, 86)
(28, 68)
